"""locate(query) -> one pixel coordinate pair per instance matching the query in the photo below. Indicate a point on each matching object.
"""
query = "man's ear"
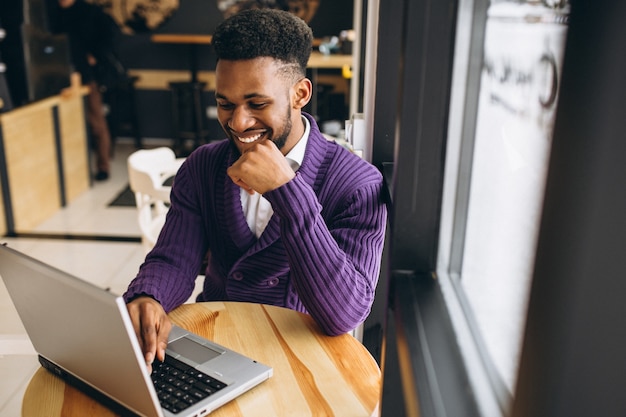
(302, 92)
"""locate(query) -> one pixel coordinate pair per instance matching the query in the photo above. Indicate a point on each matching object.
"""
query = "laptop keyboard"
(179, 385)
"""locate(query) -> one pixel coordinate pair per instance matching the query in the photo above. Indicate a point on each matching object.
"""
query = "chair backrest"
(148, 170)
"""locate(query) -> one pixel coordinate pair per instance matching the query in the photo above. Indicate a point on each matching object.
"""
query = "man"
(287, 217)
(91, 33)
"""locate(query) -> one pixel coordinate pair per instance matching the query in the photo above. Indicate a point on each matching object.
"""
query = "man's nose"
(241, 120)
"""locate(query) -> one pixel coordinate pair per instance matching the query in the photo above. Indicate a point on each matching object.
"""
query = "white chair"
(148, 170)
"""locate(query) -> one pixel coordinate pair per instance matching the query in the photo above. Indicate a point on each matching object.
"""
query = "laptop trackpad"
(195, 351)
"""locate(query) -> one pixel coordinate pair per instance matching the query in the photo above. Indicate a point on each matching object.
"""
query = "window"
(498, 151)
(430, 106)
(469, 225)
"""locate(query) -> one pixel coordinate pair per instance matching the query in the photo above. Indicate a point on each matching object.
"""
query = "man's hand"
(261, 168)
(152, 327)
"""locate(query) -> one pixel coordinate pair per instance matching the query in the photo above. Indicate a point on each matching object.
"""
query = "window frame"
(572, 361)
(420, 351)
(431, 342)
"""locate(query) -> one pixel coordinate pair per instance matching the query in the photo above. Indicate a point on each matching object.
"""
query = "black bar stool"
(187, 115)
(122, 116)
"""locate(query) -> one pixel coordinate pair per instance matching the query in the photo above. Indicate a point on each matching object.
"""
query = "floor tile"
(71, 240)
(16, 371)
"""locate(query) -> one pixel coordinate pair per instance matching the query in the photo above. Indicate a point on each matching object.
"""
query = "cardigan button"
(272, 282)
(237, 276)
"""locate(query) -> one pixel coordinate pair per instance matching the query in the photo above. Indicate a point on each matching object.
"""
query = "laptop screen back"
(80, 328)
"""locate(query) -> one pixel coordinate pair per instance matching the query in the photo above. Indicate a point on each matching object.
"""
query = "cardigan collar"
(241, 234)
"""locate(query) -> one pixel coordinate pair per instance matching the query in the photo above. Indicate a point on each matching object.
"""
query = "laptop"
(83, 334)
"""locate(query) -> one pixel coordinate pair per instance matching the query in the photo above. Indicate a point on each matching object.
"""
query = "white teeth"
(250, 139)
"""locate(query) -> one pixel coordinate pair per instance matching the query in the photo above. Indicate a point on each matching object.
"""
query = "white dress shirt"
(256, 208)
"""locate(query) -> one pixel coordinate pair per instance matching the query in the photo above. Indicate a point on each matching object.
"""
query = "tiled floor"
(107, 263)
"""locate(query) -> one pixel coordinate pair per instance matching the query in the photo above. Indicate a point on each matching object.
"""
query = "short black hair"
(270, 33)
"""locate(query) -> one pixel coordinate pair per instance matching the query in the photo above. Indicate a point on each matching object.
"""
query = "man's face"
(254, 104)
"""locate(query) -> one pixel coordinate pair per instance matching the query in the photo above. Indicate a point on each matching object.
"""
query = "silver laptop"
(84, 334)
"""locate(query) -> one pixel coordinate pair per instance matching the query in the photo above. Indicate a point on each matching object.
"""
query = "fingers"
(243, 185)
(162, 335)
(261, 168)
(152, 327)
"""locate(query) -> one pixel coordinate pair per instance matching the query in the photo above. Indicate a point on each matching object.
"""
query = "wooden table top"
(336, 61)
(317, 59)
(314, 374)
(181, 38)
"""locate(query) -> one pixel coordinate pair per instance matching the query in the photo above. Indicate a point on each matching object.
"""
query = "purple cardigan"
(319, 254)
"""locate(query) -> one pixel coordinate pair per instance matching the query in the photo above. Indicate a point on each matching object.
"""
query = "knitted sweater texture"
(319, 254)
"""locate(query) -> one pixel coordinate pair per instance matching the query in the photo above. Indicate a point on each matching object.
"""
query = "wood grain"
(181, 38)
(32, 162)
(74, 149)
(314, 374)
(3, 224)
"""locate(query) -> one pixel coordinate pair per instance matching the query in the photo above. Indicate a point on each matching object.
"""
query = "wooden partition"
(74, 147)
(45, 161)
(3, 225)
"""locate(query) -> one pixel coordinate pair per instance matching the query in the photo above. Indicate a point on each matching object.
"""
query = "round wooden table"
(314, 374)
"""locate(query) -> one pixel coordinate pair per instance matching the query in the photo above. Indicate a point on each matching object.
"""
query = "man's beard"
(281, 140)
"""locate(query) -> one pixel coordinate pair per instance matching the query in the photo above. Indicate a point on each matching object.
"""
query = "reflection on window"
(519, 81)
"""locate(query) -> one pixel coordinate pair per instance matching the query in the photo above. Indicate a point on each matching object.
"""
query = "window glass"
(523, 48)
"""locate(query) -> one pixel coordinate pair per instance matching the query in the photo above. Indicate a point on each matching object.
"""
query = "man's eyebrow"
(246, 97)
(255, 95)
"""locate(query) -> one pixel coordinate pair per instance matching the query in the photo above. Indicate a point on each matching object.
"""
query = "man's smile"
(249, 139)
(250, 136)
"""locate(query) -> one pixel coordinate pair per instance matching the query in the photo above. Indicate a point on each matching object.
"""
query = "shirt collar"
(296, 154)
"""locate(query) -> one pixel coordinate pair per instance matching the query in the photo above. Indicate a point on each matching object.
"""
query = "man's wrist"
(141, 295)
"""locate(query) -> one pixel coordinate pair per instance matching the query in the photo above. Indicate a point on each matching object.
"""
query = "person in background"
(287, 217)
(91, 34)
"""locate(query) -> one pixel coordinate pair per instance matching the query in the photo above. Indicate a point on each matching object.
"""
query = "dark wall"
(11, 18)
(138, 52)
(43, 71)
(193, 16)
(202, 16)
(332, 17)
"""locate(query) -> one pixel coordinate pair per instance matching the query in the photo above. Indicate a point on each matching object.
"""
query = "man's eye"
(257, 105)
(225, 106)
